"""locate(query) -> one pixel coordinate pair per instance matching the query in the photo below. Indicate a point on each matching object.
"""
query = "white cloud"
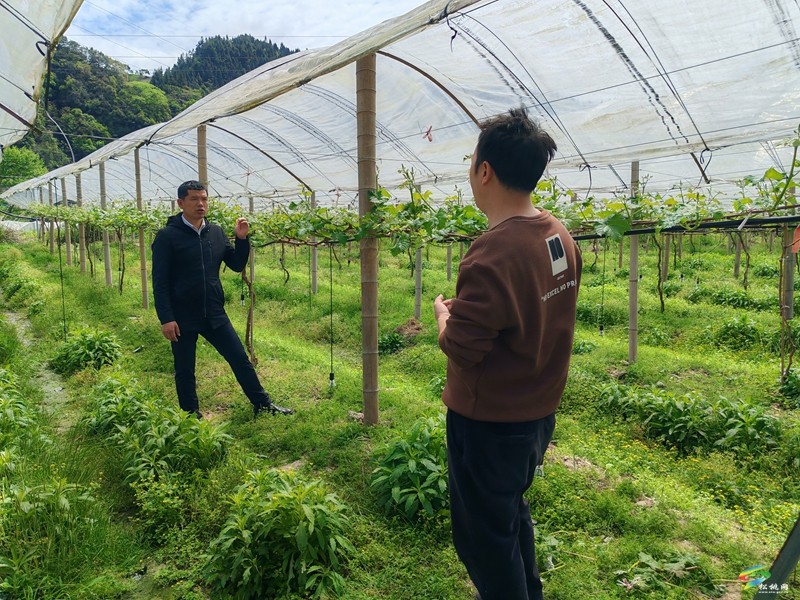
(152, 34)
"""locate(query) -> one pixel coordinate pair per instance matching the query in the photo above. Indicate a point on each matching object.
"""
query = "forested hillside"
(216, 61)
(94, 99)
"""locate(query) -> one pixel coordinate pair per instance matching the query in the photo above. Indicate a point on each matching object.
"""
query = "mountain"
(93, 98)
(216, 61)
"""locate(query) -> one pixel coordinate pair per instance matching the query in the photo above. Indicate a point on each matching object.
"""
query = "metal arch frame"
(433, 80)
(252, 145)
(308, 127)
(299, 156)
(385, 133)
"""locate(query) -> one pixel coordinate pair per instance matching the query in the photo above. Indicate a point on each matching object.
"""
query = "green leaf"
(773, 174)
(613, 227)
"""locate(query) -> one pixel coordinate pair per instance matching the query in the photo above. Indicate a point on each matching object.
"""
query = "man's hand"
(171, 331)
(441, 310)
(242, 228)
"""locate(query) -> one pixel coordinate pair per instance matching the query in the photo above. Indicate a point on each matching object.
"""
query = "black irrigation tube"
(744, 223)
(20, 217)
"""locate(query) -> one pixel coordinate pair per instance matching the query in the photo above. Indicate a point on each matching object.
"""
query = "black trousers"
(490, 466)
(227, 343)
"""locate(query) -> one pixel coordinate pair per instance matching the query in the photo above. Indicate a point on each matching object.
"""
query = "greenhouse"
(615, 82)
(673, 471)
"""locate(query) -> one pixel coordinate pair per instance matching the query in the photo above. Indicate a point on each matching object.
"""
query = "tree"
(217, 60)
(18, 165)
(138, 105)
(86, 134)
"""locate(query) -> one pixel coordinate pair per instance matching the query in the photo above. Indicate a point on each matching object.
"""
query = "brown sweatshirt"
(508, 339)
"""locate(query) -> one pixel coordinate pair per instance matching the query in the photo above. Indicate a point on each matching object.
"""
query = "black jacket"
(186, 267)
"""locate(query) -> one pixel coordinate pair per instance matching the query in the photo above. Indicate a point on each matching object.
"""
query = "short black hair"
(183, 189)
(517, 148)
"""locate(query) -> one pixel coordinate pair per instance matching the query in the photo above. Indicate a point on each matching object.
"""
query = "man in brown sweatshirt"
(508, 339)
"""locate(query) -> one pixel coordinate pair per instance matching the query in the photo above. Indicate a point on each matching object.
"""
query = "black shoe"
(197, 414)
(272, 409)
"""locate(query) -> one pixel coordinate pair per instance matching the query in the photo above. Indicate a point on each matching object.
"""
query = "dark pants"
(490, 466)
(227, 343)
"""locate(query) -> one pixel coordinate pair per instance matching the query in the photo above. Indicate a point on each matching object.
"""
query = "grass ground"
(609, 492)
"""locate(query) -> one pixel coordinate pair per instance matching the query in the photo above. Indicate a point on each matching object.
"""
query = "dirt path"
(56, 398)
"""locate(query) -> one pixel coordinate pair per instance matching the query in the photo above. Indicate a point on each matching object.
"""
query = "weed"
(411, 476)
(389, 343)
(436, 385)
(282, 534)
(9, 342)
(790, 386)
(651, 575)
(88, 348)
(737, 333)
(582, 347)
(766, 270)
(691, 422)
(656, 336)
(155, 439)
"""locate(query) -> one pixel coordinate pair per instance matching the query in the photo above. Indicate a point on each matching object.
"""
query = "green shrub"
(695, 263)
(766, 270)
(746, 428)
(690, 422)
(155, 438)
(670, 287)
(88, 348)
(737, 333)
(773, 338)
(162, 504)
(655, 336)
(598, 281)
(282, 534)
(581, 392)
(411, 473)
(734, 298)
(389, 343)
(790, 387)
(613, 313)
(8, 461)
(582, 347)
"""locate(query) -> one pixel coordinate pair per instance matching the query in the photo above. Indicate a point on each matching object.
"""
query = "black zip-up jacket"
(186, 265)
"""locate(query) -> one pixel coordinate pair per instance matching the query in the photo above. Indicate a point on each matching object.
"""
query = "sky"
(151, 34)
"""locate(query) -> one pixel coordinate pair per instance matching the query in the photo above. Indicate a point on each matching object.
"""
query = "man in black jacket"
(187, 255)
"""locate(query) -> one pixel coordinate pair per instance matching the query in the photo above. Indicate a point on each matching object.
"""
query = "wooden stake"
(52, 223)
(367, 182)
(202, 156)
(633, 280)
(142, 254)
(106, 241)
(418, 285)
(40, 222)
(787, 293)
(449, 262)
(81, 226)
(67, 228)
(313, 256)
